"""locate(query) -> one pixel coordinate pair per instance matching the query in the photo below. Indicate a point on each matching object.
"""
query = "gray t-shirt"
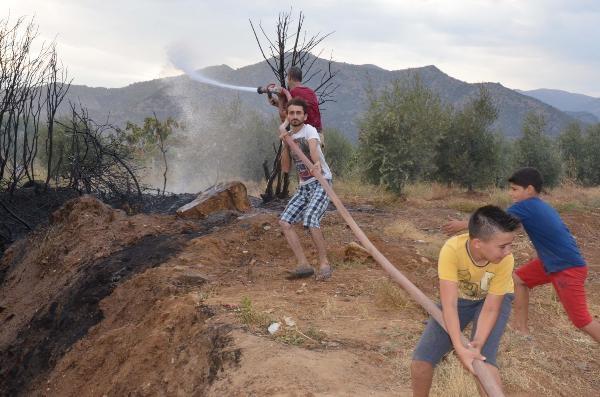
(301, 138)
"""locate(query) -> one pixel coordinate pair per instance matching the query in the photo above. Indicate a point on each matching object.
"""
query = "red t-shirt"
(312, 109)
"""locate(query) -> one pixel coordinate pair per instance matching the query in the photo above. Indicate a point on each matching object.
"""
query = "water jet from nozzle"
(179, 61)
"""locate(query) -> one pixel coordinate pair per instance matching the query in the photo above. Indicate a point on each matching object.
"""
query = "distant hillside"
(180, 97)
(567, 101)
(584, 117)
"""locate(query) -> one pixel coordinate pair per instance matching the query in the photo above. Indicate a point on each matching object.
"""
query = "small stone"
(273, 328)
(289, 322)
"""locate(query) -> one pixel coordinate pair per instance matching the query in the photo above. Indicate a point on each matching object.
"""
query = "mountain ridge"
(567, 101)
(176, 96)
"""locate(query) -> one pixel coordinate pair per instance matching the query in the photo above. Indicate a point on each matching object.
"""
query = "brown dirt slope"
(108, 304)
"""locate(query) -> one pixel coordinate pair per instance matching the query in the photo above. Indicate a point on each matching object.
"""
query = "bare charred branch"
(280, 58)
(15, 216)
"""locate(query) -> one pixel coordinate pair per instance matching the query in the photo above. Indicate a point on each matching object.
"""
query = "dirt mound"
(84, 209)
(53, 281)
(159, 342)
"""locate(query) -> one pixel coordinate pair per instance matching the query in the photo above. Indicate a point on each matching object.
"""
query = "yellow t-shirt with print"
(474, 282)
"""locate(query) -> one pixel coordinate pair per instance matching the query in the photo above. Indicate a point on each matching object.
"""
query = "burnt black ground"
(34, 207)
(69, 316)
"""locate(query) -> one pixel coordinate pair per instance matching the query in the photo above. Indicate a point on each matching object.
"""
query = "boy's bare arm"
(487, 319)
(449, 298)
(455, 226)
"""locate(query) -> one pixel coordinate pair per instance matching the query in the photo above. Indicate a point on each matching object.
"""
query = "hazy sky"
(522, 44)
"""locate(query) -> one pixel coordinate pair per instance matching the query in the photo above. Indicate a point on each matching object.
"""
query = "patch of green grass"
(249, 316)
(315, 334)
(295, 337)
(291, 337)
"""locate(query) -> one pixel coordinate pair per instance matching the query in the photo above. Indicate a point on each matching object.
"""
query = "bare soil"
(102, 303)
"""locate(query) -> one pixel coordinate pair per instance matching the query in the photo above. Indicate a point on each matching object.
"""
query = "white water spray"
(179, 59)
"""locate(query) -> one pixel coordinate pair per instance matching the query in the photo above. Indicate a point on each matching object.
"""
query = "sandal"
(324, 274)
(302, 271)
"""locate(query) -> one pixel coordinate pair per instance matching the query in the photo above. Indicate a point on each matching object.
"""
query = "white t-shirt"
(301, 138)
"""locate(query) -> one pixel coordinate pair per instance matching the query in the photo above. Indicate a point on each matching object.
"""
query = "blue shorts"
(308, 204)
(435, 342)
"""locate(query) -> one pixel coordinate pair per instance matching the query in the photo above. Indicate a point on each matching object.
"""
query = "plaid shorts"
(308, 204)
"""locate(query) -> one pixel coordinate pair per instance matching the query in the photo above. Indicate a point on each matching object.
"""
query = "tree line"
(32, 87)
(39, 147)
(408, 134)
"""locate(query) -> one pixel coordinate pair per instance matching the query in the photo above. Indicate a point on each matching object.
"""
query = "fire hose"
(488, 382)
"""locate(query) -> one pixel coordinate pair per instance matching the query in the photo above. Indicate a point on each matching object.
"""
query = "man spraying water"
(297, 90)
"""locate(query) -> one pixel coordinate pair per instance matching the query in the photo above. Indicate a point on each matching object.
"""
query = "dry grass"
(355, 190)
(571, 197)
(427, 191)
(432, 246)
(498, 197)
(46, 245)
(329, 309)
(349, 264)
(463, 204)
(566, 197)
(538, 366)
(389, 296)
(404, 229)
(430, 243)
(450, 379)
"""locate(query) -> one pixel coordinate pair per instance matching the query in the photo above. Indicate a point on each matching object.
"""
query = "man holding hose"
(309, 202)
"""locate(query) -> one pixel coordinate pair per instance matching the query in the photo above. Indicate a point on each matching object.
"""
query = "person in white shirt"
(309, 202)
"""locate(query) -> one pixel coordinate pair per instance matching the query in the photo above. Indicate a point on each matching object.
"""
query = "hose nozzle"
(269, 89)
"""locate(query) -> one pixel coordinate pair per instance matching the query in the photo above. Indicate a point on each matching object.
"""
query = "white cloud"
(522, 44)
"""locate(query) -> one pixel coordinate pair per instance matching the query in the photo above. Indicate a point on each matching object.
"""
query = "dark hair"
(295, 73)
(528, 176)
(296, 102)
(488, 220)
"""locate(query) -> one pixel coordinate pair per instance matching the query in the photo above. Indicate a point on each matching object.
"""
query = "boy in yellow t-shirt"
(475, 272)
